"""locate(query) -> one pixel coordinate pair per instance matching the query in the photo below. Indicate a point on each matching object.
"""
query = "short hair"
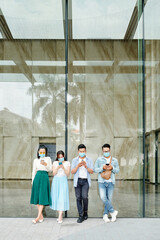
(81, 146)
(42, 147)
(62, 153)
(106, 145)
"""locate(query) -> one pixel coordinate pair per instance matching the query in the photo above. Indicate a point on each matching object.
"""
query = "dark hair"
(81, 146)
(40, 147)
(106, 145)
(60, 152)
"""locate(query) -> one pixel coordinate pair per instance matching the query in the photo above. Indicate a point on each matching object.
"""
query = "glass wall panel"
(90, 18)
(32, 19)
(152, 72)
(104, 95)
(32, 96)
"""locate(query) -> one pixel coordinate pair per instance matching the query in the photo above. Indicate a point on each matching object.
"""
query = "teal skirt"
(41, 189)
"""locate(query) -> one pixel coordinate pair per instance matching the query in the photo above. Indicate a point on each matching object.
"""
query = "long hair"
(40, 147)
(60, 152)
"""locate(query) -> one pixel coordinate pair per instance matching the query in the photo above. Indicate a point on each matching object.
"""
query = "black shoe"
(80, 219)
(85, 216)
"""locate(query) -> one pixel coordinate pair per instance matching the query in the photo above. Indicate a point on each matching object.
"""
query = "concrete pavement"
(92, 229)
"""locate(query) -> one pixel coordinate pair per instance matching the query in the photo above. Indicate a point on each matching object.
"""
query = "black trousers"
(81, 192)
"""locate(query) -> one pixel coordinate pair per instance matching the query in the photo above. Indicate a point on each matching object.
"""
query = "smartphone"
(60, 163)
(83, 162)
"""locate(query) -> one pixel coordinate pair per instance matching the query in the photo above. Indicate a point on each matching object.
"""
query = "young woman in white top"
(59, 189)
(40, 195)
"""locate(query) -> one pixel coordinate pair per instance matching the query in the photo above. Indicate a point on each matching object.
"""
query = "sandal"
(34, 221)
(41, 220)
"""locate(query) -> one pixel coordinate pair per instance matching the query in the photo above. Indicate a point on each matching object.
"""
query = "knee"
(103, 197)
(79, 198)
(110, 195)
(85, 197)
(110, 198)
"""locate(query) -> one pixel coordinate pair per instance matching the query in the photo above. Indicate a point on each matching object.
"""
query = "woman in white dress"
(40, 195)
(59, 189)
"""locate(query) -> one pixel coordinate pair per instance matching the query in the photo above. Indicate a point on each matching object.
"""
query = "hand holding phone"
(42, 161)
(84, 164)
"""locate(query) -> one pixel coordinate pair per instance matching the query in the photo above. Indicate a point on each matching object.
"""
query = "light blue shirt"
(98, 168)
(75, 162)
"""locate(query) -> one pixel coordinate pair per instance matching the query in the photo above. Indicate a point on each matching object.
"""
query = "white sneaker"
(113, 215)
(105, 218)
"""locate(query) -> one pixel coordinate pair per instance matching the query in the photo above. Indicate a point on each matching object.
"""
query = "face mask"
(82, 154)
(61, 159)
(106, 154)
(42, 155)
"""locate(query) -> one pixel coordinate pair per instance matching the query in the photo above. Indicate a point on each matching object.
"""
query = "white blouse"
(60, 171)
(38, 166)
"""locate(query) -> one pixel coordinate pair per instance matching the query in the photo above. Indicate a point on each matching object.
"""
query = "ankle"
(60, 218)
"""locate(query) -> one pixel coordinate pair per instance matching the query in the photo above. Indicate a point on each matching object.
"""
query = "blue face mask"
(61, 159)
(42, 155)
(106, 154)
(82, 154)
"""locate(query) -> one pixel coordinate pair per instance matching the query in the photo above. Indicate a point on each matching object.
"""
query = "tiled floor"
(95, 229)
(127, 199)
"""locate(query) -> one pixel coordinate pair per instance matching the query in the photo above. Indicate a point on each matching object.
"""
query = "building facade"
(76, 72)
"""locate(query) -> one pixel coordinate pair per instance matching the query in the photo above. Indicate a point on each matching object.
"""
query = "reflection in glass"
(34, 19)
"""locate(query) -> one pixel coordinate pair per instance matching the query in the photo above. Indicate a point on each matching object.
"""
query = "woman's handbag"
(106, 174)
